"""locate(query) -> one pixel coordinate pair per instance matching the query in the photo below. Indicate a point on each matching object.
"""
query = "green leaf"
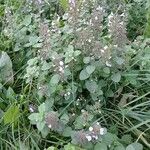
(67, 132)
(86, 60)
(120, 61)
(135, 146)
(45, 66)
(64, 118)
(119, 147)
(106, 70)
(51, 148)
(40, 125)
(100, 146)
(69, 147)
(33, 39)
(34, 117)
(127, 139)
(11, 115)
(10, 94)
(91, 86)
(109, 138)
(90, 69)
(55, 79)
(116, 77)
(27, 20)
(77, 53)
(6, 71)
(72, 147)
(41, 108)
(64, 4)
(84, 75)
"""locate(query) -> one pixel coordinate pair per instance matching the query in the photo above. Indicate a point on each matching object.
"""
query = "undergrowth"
(74, 75)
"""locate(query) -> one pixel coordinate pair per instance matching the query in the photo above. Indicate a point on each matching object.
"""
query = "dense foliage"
(74, 74)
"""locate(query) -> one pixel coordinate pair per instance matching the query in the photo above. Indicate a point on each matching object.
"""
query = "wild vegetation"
(75, 75)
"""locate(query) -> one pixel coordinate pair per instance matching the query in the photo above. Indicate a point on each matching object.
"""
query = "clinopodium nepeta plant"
(77, 58)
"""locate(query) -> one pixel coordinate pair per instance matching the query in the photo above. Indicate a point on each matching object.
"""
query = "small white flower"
(108, 64)
(97, 123)
(96, 18)
(102, 131)
(65, 95)
(40, 87)
(89, 138)
(105, 47)
(121, 23)
(31, 109)
(90, 128)
(53, 57)
(68, 93)
(50, 126)
(102, 50)
(60, 69)
(110, 16)
(82, 110)
(89, 40)
(95, 137)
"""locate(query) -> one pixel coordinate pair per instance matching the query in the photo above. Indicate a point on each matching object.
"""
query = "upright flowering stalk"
(73, 12)
(117, 29)
(97, 19)
(44, 33)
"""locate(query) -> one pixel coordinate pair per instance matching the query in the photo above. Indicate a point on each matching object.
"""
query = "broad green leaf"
(86, 60)
(77, 53)
(41, 108)
(67, 132)
(34, 117)
(116, 77)
(84, 75)
(90, 69)
(64, 4)
(120, 61)
(109, 138)
(72, 147)
(10, 94)
(11, 115)
(55, 79)
(33, 39)
(64, 118)
(45, 66)
(91, 86)
(40, 125)
(51, 148)
(127, 139)
(119, 147)
(100, 146)
(106, 70)
(27, 20)
(6, 71)
(135, 146)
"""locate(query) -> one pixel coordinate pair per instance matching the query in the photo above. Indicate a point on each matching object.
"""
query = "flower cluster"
(44, 33)
(53, 122)
(58, 65)
(117, 29)
(43, 90)
(97, 19)
(80, 138)
(92, 135)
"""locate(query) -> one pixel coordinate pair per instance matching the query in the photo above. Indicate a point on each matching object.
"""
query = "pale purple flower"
(73, 3)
